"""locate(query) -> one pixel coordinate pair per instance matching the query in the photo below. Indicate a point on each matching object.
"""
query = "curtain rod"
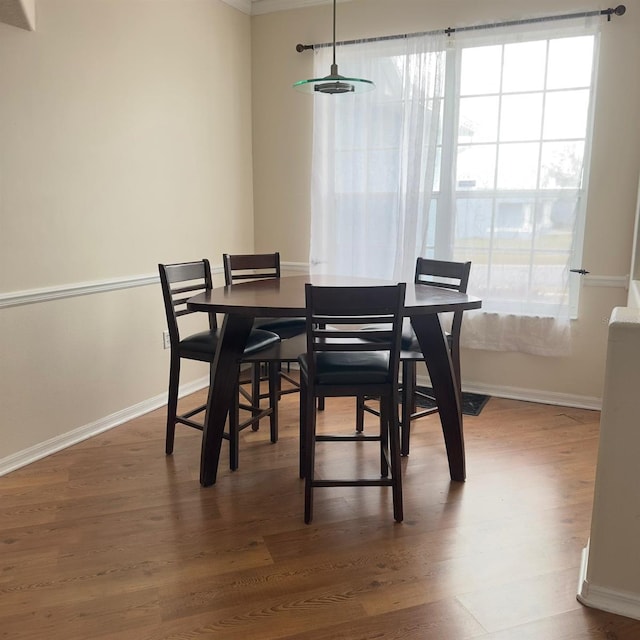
(618, 11)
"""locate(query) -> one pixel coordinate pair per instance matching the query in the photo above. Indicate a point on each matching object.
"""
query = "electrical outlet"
(166, 341)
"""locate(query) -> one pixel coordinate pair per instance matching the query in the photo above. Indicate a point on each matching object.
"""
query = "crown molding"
(258, 7)
(241, 5)
(269, 6)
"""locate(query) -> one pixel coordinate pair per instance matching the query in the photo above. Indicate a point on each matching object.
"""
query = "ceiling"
(22, 13)
(257, 7)
(19, 13)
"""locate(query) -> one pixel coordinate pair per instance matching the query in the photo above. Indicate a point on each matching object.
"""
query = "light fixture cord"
(334, 33)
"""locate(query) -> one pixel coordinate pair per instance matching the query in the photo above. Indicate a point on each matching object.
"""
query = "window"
(521, 123)
(474, 148)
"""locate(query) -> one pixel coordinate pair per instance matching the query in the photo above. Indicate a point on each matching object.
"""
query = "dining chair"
(431, 273)
(179, 282)
(259, 266)
(338, 362)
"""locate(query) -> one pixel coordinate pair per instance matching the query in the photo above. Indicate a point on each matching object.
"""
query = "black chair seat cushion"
(336, 367)
(284, 327)
(408, 336)
(206, 342)
(260, 339)
(409, 340)
(413, 345)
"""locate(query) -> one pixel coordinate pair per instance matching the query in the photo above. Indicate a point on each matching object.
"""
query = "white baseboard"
(43, 449)
(520, 393)
(619, 602)
(527, 395)
(46, 448)
(535, 395)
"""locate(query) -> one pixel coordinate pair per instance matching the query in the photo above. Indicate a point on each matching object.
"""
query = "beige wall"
(125, 140)
(282, 121)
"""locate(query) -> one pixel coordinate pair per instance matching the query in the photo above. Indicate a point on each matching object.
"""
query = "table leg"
(222, 388)
(433, 343)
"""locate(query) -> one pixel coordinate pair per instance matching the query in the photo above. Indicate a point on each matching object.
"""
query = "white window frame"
(447, 193)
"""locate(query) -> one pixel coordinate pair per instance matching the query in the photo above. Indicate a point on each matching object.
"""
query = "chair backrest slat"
(182, 302)
(442, 273)
(193, 278)
(194, 287)
(256, 266)
(335, 316)
(448, 275)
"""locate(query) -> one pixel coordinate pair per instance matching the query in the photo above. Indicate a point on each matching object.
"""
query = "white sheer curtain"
(473, 147)
(373, 155)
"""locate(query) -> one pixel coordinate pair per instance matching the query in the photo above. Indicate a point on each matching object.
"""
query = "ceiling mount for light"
(334, 82)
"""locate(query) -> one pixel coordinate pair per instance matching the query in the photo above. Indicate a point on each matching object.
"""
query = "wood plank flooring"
(113, 540)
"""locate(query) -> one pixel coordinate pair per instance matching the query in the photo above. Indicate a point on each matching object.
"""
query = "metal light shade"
(334, 82)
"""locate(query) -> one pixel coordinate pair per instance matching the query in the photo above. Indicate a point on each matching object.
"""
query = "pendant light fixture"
(334, 82)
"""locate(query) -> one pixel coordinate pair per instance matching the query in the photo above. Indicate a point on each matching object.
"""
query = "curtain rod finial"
(620, 10)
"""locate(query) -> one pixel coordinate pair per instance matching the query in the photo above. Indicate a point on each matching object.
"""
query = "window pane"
(561, 165)
(565, 114)
(480, 70)
(570, 62)
(478, 119)
(473, 223)
(518, 166)
(513, 226)
(509, 276)
(556, 218)
(524, 65)
(548, 279)
(476, 166)
(521, 117)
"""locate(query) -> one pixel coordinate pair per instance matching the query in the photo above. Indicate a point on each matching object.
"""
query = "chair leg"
(408, 403)
(396, 466)
(303, 428)
(234, 434)
(360, 414)
(278, 368)
(385, 416)
(273, 369)
(255, 392)
(310, 446)
(172, 402)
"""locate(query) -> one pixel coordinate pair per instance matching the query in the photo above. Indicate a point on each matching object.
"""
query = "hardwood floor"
(111, 539)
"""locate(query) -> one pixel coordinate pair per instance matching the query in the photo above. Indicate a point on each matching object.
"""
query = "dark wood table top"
(284, 297)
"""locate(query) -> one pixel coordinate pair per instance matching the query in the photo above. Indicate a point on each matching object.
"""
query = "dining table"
(285, 297)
